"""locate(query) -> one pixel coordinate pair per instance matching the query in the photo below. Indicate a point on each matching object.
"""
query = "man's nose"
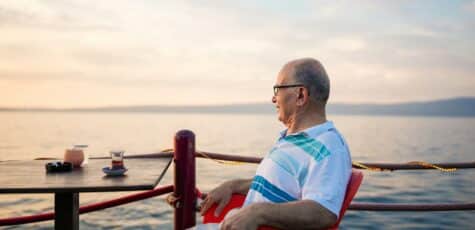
(274, 100)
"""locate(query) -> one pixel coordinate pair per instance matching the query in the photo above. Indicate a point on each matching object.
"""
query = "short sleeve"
(327, 180)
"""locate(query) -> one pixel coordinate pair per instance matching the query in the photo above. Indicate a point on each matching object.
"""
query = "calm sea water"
(24, 136)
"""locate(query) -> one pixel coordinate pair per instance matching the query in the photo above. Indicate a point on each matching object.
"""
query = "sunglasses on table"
(277, 87)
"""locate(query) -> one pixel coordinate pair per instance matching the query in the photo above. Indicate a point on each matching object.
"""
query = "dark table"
(31, 177)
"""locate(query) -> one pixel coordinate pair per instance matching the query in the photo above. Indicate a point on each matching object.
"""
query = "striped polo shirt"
(314, 164)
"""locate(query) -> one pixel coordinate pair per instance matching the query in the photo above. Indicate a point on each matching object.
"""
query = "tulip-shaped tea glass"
(117, 157)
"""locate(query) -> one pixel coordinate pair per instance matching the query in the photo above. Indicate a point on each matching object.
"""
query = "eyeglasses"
(277, 87)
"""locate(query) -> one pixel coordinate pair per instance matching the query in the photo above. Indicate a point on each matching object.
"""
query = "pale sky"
(64, 53)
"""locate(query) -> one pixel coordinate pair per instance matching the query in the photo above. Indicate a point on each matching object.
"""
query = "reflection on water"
(371, 138)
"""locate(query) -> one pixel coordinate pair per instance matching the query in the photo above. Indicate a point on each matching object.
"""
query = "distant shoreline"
(459, 107)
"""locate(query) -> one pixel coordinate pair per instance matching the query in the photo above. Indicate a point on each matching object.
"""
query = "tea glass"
(117, 157)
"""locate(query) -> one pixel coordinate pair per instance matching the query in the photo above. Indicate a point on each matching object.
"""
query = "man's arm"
(241, 186)
(305, 214)
(222, 194)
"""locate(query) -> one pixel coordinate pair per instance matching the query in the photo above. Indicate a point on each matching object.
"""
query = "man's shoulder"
(333, 141)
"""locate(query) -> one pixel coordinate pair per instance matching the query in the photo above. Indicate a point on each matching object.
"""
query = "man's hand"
(220, 195)
(245, 218)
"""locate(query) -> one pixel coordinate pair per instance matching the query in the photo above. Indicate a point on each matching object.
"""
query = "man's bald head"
(310, 73)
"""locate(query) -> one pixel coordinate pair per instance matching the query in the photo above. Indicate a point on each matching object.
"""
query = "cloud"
(470, 6)
(12, 16)
(54, 16)
(346, 44)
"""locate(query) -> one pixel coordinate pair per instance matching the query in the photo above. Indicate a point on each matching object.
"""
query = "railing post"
(184, 179)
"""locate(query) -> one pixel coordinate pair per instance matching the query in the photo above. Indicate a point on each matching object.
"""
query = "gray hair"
(311, 73)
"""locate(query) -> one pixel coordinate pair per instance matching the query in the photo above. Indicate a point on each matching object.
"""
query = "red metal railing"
(184, 180)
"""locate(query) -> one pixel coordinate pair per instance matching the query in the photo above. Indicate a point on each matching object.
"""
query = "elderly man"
(301, 182)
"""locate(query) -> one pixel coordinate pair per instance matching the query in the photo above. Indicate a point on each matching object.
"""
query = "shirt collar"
(313, 131)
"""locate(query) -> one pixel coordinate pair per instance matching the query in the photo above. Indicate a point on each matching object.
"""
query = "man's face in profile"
(284, 99)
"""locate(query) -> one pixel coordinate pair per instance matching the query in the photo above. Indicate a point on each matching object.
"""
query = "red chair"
(351, 190)
(237, 201)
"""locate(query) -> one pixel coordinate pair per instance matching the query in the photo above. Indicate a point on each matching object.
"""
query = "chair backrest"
(237, 201)
(351, 189)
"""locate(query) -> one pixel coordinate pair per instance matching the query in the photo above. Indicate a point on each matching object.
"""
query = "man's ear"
(302, 96)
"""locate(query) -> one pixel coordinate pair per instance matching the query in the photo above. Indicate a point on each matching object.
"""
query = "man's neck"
(306, 120)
